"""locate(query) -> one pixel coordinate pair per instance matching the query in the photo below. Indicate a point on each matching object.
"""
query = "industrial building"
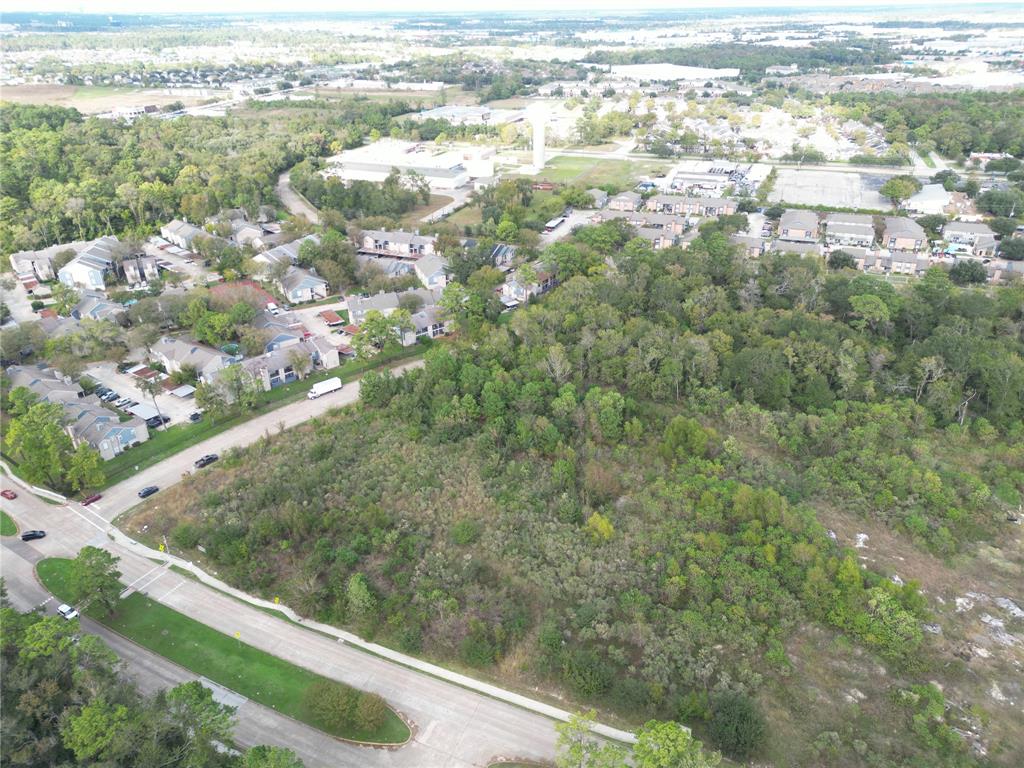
(443, 169)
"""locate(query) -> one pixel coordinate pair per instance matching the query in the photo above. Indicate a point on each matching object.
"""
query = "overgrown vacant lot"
(674, 487)
(448, 551)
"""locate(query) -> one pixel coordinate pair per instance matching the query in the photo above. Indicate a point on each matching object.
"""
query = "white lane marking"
(90, 522)
(128, 588)
(168, 593)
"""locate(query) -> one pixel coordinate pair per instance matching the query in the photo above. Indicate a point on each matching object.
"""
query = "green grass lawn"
(589, 171)
(7, 525)
(253, 673)
(926, 158)
(164, 443)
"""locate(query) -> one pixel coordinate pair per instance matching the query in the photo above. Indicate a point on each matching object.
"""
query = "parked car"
(33, 535)
(67, 611)
(100, 391)
(122, 402)
(110, 397)
(195, 416)
(206, 460)
(7, 493)
(90, 499)
(149, 490)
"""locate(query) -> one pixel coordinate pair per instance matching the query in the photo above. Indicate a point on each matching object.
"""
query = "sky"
(334, 6)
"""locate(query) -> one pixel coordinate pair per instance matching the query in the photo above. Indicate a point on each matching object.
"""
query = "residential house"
(428, 323)
(902, 234)
(849, 230)
(625, 201)
(682, 205)
(398, 243)
(96, 306)
(301, 285)
(287, 253)
(45, 383)
(284, 329)
(642, 219)
(175, 354)
(91, 266)
(181, 233)
(513, 292)
(280, 366)
(753, 246)
(657, 238)
(970, 238)
(386, 303)
(39, 264)
(599, 196)
(101, 428)
(389, 266)
(798, 225)
(503, 255)
(142, 269)
(801, 247)
(243, 233)
(432, 271)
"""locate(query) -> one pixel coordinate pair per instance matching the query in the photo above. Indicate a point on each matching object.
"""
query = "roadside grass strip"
(253, 673)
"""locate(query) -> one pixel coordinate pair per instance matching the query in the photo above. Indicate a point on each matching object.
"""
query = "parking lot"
(835, 189)
(176, 408)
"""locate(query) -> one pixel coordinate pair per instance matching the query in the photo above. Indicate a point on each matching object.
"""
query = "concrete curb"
(441, 673)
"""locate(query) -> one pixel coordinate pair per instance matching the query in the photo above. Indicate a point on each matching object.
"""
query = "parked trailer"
(324, 387)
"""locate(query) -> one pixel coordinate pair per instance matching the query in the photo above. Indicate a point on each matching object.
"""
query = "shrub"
(737, 726)
(477, 650)
(465, 532)
(332, 704)
(586, 672)
(371, 712)
(185, 536)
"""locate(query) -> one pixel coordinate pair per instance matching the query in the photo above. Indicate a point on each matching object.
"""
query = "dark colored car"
(195, 416)
(7, 493)
(90, 499)
(33, 535)
(206, 460)
(149, 490)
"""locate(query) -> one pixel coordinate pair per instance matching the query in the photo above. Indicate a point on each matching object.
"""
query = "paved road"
(256, 724)
(123, 496)
(293, 201)
(454, 727)
(459, 199)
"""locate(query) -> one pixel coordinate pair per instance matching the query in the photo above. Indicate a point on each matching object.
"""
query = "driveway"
(295, 203)
(459, 197)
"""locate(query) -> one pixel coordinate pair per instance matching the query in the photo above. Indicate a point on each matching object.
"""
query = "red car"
(8, 494)
(90, 499)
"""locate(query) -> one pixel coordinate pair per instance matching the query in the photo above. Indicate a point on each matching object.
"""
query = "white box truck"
(323, 387)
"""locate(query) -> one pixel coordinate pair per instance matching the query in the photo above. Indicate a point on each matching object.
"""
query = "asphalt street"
(123, 496)
(453, 727)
